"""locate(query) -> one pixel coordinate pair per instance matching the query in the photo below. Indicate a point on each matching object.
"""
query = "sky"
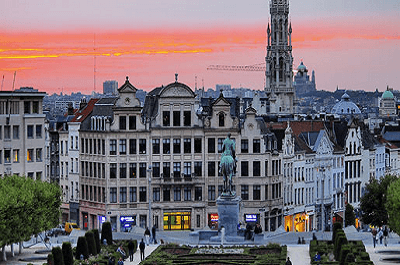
(75, 45)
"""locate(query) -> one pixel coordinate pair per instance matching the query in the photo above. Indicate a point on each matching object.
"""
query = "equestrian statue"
(227, 166)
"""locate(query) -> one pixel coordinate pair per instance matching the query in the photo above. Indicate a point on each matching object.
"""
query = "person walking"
(288, 262)
(153, 234)
(142, 246)
(131, 249)
(380, 235)
(374, 233)
(385, 235)
(147, 235)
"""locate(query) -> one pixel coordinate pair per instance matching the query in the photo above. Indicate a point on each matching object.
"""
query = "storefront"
(213, 221)
(127, 222)
(179, 220)
(299, 222)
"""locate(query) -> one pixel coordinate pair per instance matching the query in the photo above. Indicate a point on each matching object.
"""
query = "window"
(221, 120)
(122, 170)
(256, 168)
(177, 194)
(211, 193)
(132, 122)
(166, 118)
(256, 146)
(244, 146)
(142, 194)
(0, 133)
(122, 146)
(177, 118)
(245, 192)
(211, 145)
(16, 156)
(29, 155)
(187, 169)
(187, 145)
(220, 143)
(132, 170)
(7, 156)
(132, 194)
(211, 168)
(113, 195)
(122, 122)
(122, 194)
(156, 194)
(198, 193)
(197, 145)
(30, 175)
(39, 154)
(177, 146)
(7, 132)
(132, 146)
(198, 168)
(177, 169)
(27, 107)
(39, 132)
(166, 169)
(166, 146)
(256, 192)
(187, 118)
(142, 146)
(187, 194)
(113, 170)
(156, 169)
(35, 107)
(15, 132)
(113, 147)
(39, 175)
(142, 170)
(245, 168)
(103, 147)
(156, 146)
(166, 194)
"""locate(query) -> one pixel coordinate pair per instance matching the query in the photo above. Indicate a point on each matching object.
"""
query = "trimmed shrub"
(67, 253)
(106, 233)
(364, 256)
(350, 258)
(91, 243)
(50, 259)
(97, 240)
(345, 249)
(339, 242)
(336, 227)
(81, 248)
(57, 255)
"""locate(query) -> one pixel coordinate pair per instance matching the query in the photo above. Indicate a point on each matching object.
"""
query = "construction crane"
(254, 68)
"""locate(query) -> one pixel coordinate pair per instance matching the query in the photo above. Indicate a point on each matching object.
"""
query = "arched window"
(221, 119)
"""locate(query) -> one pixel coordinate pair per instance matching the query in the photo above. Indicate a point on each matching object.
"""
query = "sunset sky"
(51, 44)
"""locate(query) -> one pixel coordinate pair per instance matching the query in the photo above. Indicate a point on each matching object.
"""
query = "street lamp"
(149, 174)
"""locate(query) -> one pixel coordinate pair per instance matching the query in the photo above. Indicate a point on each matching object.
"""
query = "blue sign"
(251, 217)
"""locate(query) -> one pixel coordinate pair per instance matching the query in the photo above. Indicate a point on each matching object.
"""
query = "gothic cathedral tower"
(279, 60)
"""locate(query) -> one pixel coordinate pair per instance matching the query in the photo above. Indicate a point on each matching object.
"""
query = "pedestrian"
(153, 234)
(147, 235)
(385, 235)
(374, 233)
(380, 235)
(222, 235)
(131, 248)
(120, 262)
(142, 246)
(288, 262)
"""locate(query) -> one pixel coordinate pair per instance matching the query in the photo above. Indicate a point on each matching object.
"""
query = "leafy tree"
(393, 205)
(373, 201)
(350, 217)
(67, 253)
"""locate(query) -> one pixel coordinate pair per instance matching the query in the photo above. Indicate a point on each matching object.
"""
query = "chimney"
(70, 109)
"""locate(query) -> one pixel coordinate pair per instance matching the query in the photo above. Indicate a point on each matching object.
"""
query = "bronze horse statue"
(227, 165)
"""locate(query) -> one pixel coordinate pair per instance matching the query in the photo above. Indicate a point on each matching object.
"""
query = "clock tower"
(279, 60)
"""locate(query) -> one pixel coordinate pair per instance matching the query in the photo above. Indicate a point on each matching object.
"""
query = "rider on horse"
(228, 163)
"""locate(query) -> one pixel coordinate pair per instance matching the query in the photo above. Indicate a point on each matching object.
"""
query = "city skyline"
(52, 45)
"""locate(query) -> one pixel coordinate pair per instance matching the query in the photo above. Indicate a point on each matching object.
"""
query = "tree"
(81, 248)
(58, 256)
(393, 205)
(97, 239)
(350, 217)
(67, 253)
(91, 243)
(106, 233)
(373, 201)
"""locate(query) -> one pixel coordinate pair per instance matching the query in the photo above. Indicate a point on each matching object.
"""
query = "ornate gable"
(127, 95)
(177, 90)
(323, 145)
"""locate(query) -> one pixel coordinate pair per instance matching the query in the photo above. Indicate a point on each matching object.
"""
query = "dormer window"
(221, 120)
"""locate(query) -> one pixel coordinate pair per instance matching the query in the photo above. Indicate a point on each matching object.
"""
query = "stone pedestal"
(228, 214)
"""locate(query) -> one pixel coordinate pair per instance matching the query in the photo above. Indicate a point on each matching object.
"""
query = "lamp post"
(149, 174)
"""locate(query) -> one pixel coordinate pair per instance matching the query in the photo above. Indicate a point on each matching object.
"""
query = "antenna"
(15, 73)
(195, 82)
(2, 83)
(94, 62)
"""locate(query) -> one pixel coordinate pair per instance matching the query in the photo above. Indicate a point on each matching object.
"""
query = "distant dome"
(302, 67)
(388, 94)
(345, 106)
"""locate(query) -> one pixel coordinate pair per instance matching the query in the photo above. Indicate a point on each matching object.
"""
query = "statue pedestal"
(228, 214)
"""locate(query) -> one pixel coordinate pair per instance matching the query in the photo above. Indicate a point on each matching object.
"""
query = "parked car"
(71, 226)
(59, 230)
